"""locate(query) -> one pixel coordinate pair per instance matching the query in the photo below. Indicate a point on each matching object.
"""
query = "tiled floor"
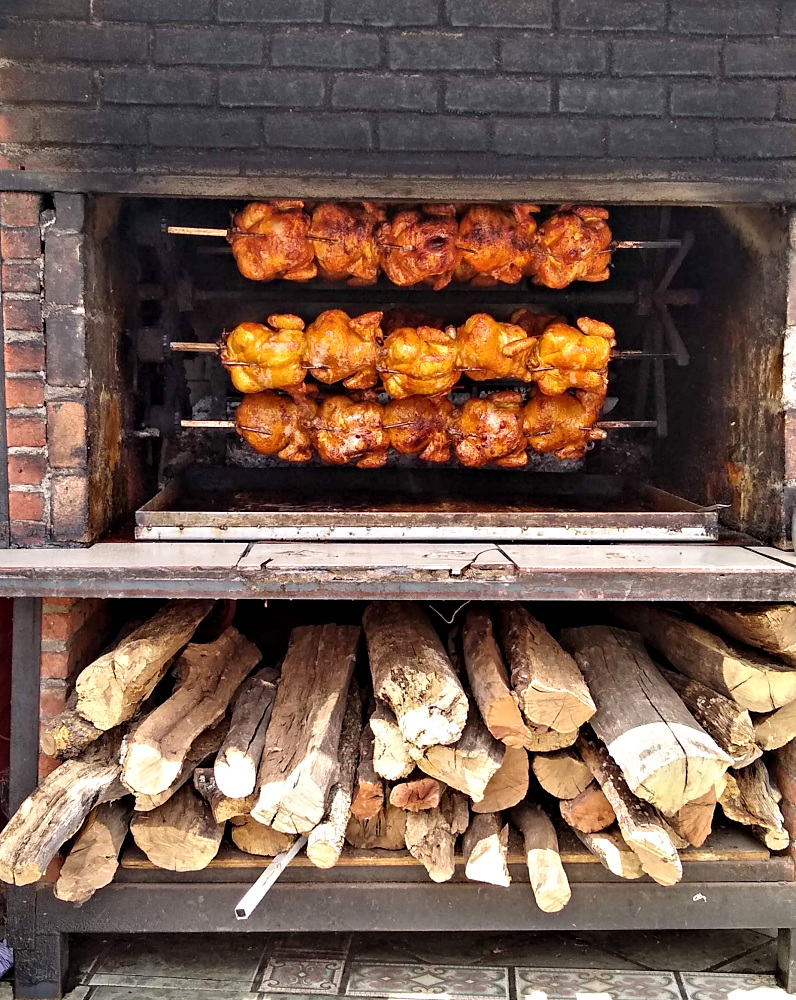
(675, 965)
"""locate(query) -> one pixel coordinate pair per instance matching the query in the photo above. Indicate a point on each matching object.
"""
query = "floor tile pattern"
(705, 986)
(302, 974)
(404, 982)
(574, 984)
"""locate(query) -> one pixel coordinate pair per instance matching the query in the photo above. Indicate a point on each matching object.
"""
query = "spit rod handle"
(252, 899)
(210, 425)
(195, 231)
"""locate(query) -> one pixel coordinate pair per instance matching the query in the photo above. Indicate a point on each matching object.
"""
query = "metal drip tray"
(294, 504)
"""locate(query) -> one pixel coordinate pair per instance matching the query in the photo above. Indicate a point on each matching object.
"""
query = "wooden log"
(469, 764)
(610, 849)
(255, 838)
(638, 822)
(774, 729)
(666, 757)
(222, 807)
(721, 717)
(561, 773)
(508, 785)
(387, 830)
(111, 688)
(752, 679)
(770, 627)
(413, 674)
(368, 798)
(750, 798)
(203, 747)
(67, 735)
(588, 812)
(416, 794)
(239, 758)
(181, 835)
(94, 855)
(56, 810)
(431, 837)
(299, 763)
(542, 740)
(548, 878)
(694, 821)
(325, 842)
(489, 679)
(207, 677)
(551, 689)
(485, 850)
(391, 757)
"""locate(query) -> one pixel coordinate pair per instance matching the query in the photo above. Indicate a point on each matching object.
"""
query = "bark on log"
(413, 674)
(770, 627)
(386, 831)
(561, 773)
(57, 809)
(610, 849)
(67, 735)
(694, 821)
(551, 689)
(469, 764)
(774, 729)
(752, 679)
(548, 878)
(299, 763)
(485, 849)
(325, 842)
(391, 757)
(94, 856)
(222, 807)
(720, 717)
(640, 827)
(508, 785)
(255, 838)
(368, 798)
(208, 676)
(203, 747)
(750, 798)
(181, 835)
(489, 679)
(588, 812)
(111, 688)
(431, 836)
(239, 758)
(417, 794)
(666, 757)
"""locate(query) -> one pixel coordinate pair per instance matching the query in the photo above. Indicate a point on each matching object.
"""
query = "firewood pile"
(406, 734)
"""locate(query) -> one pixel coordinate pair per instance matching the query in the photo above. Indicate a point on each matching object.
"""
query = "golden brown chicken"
(343, 348)
(419, 361)
(265, 357)
(420, 246)
(572, 245)
(489, 349)
(419, 426)
(563, 425)
(490, 430)
(496, 243)
(394, 319)
(350, 430)
(277, 425)
(269, 240)
(534, 323)
(564, 358)
(344, 239)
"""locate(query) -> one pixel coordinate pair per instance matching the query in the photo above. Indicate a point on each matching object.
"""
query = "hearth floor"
(674, 965)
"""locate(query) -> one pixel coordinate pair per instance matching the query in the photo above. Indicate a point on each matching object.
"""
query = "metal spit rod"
(229, 425)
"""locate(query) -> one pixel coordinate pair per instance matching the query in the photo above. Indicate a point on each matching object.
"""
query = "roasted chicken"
(350, 430)
(269, 240)
(419, 361)
(343, 348)
(394, 319)
(344, 239)
(563, 358)
(572, 245)
(534, 323)
(419, 426)
(564, 424)
(266, 357)
(490, 430)
(277, 425)
(489, 349)
(420, 246)
(496, 243)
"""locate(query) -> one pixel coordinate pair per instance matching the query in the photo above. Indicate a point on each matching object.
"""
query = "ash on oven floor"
(673, 965)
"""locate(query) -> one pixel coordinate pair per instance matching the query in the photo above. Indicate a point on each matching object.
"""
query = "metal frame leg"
(40, 972)
(786, 959)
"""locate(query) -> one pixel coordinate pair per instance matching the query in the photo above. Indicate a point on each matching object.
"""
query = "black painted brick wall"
(397, 86)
